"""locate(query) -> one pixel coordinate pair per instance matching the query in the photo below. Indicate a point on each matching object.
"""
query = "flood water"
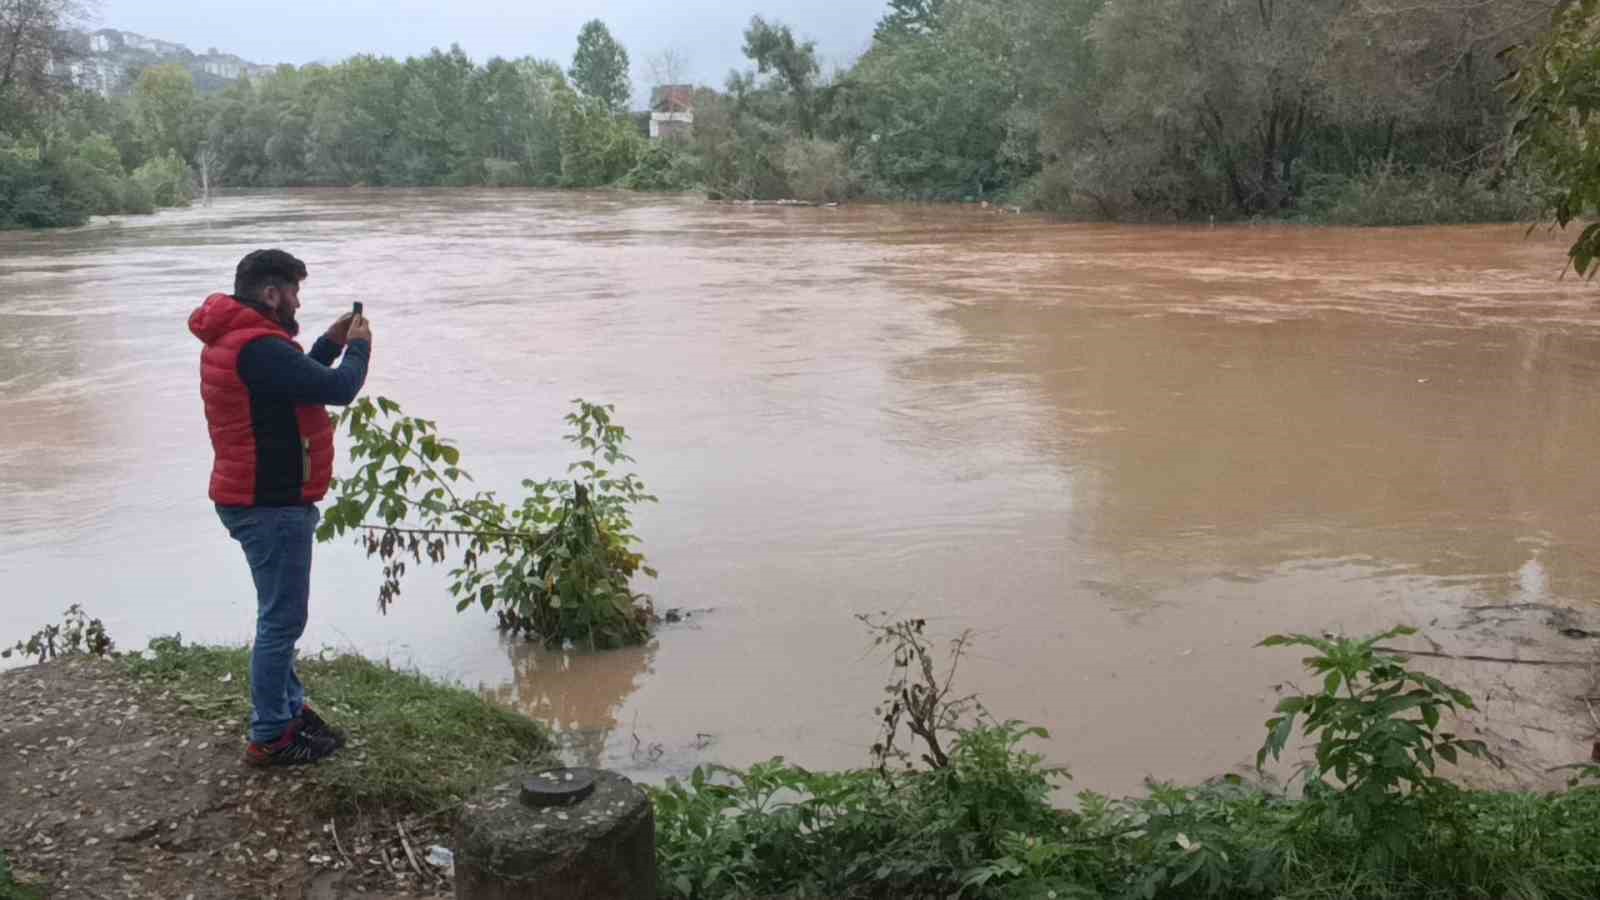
(1119, 455)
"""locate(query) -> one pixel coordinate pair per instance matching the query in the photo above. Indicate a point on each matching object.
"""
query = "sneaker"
(318, 727)
(297, 747)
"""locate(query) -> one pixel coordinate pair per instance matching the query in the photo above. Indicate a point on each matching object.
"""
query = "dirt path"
(107, 790)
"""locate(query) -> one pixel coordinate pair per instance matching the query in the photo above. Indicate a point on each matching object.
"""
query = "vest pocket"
(305, 460)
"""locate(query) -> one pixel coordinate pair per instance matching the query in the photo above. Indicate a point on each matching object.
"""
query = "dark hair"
(261, 269)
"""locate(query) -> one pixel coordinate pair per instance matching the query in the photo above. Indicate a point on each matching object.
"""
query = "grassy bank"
(417, 745)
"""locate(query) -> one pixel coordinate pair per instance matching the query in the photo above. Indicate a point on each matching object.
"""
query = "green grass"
(9, 889)
(416, 745)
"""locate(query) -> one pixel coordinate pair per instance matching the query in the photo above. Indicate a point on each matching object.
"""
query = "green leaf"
(1430, 715)
(1279, 731)
(1197, 860)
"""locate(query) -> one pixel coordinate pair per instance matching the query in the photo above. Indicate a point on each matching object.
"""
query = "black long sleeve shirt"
(275, 369)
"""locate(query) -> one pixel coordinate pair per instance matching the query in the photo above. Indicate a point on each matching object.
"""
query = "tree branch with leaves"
(1556, 130)
(557, 566)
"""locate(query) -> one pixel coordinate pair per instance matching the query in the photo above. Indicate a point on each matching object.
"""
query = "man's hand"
(339, 332)
(358, 328)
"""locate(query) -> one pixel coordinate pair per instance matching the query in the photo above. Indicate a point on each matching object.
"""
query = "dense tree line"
(1339, 110)
(58, 160)
(1178, 108)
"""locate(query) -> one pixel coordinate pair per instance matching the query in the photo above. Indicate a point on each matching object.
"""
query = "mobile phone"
(357, 308)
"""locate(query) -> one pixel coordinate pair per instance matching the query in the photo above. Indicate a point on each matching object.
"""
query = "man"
(273, 446)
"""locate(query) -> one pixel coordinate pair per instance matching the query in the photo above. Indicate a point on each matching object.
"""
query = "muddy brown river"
(1119, 455)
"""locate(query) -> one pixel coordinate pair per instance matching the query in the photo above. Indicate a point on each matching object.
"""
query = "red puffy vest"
(243, 454)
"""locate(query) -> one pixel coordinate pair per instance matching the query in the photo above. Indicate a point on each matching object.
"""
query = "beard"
(287, 320)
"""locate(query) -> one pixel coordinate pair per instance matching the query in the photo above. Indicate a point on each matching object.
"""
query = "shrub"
(818, 171)
(1049, 191)
(77, 635)
(502, 173)
(558, 566)
(167, 180)
(33, 195)
(92, 190)
(597, 147)
(662, 167)
(136, 198)
(1390, 194)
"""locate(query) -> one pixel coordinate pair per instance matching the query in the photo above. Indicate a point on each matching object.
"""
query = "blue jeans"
(277, 544)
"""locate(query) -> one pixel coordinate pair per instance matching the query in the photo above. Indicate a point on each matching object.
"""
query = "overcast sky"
(706, 32)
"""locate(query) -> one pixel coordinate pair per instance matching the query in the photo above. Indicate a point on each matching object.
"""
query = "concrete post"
(566, 834)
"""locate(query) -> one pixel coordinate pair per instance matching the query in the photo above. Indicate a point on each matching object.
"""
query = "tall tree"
(356, 120)
(35, 41)
(437, 107)
(597, 146)
(791, 63)
(909, 17)
(600, 67)
(165, 107)
(518, 116)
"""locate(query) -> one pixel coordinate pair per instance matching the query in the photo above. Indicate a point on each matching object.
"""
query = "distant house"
(672, 112)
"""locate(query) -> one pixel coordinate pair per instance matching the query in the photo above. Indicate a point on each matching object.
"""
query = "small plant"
(76, 635)
(1377, 729)
(558, 566)
(919, 699)
(780, 830)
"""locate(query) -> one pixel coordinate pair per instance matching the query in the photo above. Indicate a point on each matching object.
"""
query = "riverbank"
(1367, 202)
(127, 781)
(1390, 800)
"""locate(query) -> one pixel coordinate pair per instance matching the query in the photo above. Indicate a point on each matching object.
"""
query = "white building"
(672, 111)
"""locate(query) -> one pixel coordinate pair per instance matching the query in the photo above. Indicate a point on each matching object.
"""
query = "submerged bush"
(662, 167)
(1387, 194)
(33, 194)
(557, 565)
(166, 180)
(818, 171)
(503, 173)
